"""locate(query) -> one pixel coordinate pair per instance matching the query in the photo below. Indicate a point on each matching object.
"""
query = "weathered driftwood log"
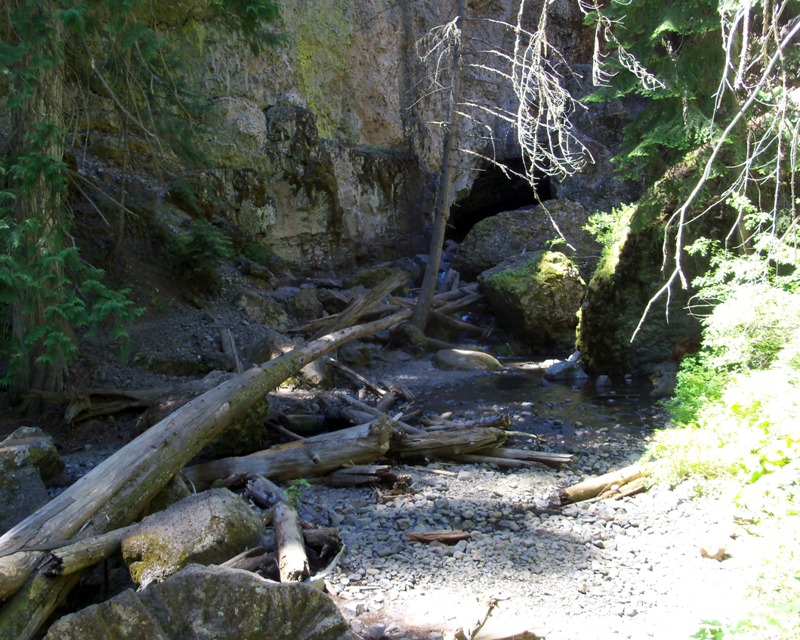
(362, 475)
(407, 428)
(543, 457)
(113, 493)
(358, 377)
(313, 456)
(84, 553)
(363, 304)
(447, 537)
(445, 443)
(503, 463)
(292, 558)
(230, 350)
(593, 487)
(250, 560)
(265, 493)
(637, 485)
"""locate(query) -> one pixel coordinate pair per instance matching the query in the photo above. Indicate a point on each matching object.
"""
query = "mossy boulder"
(209, 602)
(630, 274)
(501, 237)
(206, 528)
(537, 298)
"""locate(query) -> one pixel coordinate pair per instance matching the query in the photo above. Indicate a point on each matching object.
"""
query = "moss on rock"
(537, 298)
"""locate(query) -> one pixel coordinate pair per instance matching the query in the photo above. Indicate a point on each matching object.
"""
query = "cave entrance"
(493, 192)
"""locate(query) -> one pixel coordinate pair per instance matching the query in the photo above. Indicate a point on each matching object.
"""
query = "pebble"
(616, 561)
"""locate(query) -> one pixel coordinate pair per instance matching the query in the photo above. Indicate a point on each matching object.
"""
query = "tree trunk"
(36, 140)
(442, 209)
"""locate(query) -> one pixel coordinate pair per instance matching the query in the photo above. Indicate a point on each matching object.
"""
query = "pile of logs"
(41, 557)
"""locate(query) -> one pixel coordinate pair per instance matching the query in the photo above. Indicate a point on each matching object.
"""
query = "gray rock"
(31, 445)
(501, 237)
(209, 527)
(209, 602)
(463, 360)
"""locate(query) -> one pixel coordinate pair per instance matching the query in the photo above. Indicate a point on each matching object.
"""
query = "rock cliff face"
(326, 151)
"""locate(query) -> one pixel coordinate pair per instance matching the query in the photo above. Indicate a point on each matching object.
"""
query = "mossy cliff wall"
(324, 150)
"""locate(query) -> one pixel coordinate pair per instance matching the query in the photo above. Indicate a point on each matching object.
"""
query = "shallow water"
(571, 412)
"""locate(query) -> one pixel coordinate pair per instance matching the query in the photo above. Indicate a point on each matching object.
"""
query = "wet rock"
(501, 237)
(664, 379)
(209, 602)
(537, 298)
(565, 370)
(463, 360)
(209, 527)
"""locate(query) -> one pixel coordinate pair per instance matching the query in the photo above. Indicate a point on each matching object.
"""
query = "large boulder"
(537, 298)
(512, 233)
(200, 603)
(209, 527)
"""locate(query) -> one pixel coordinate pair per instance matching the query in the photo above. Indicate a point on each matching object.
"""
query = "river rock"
(537, 298)
(501, 237)
(463, 360)
(209, 602)
(209, 527)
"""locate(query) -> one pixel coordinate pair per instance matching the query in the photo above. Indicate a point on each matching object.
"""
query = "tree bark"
(114, 493)
(292, 558)
(593, 487)
(313, 456)
(36, 129)
(445, 443)
(444, 196)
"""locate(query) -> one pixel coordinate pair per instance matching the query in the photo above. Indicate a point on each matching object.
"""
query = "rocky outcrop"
(537, 299)
(555, 224)
(627, 278)
(326, 150)
(209, 602)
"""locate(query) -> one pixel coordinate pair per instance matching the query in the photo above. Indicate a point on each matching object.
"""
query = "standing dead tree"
(540, 116)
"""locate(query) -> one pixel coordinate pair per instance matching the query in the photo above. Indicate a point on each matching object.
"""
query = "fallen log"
(363, 304)
(313, 456)
(114, 493)
(593, 487)
(84, 553)
(292, 558)
(445, 443)
(362, 475)
(446, 537)
(548, 458)
(358, 377)
(503, 463)
(407, 428)
(265, 493)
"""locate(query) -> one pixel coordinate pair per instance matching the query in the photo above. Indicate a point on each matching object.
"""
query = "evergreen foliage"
(117, 50)
(680, 44)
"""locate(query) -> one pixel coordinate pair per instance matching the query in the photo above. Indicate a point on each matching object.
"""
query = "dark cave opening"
(493, 192)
